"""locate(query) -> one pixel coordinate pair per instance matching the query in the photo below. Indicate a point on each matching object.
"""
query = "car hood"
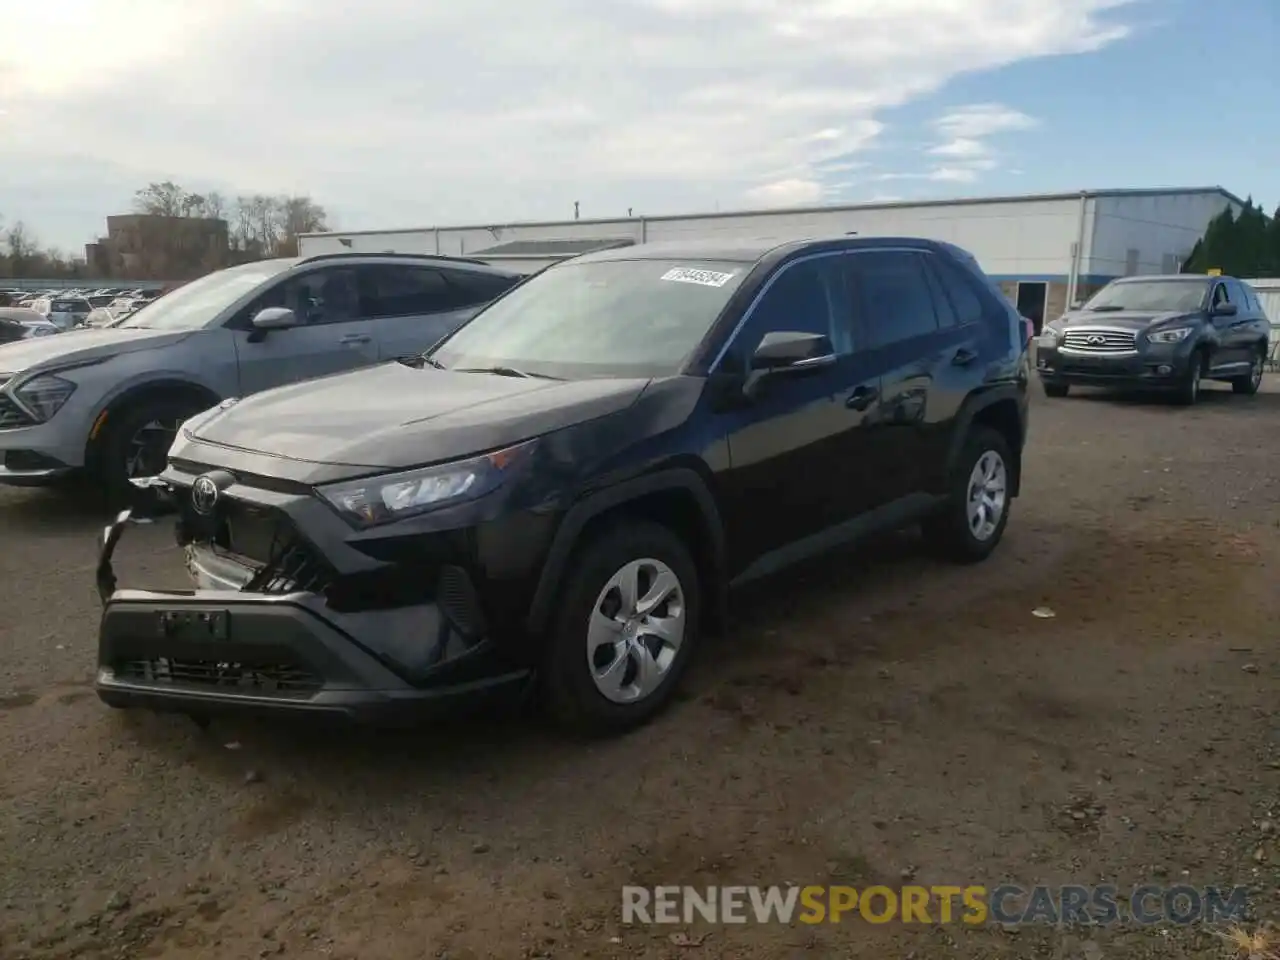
(80, 346)
(1124, 319)
(393, 416)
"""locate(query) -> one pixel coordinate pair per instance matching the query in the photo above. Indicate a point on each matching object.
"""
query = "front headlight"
(1169, 336)
(374, 500)
(43, 396)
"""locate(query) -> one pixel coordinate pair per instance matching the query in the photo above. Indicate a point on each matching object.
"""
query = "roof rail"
(366, 254)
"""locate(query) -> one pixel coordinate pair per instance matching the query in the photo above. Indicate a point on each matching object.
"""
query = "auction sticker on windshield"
(707, 278)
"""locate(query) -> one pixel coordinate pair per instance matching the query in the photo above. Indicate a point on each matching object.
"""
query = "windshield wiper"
(504, 372)
(418, 361)
(1107, 308)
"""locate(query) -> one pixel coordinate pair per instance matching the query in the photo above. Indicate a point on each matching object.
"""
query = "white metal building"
(1046, 251)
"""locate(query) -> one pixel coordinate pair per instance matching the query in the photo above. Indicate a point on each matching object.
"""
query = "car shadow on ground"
(1212, 395)
(333, 757)
(40, 512)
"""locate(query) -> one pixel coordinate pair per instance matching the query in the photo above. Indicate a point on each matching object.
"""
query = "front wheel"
(1189, 391)
(135, 443)
(1250, 383)
(971, 523)
(627, 624)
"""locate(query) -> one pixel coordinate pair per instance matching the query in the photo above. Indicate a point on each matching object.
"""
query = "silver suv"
(109, 401)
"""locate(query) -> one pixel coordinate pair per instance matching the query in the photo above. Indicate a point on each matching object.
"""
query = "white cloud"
(961, 147)
(967, 146)
(982, 120)
(784, 193)
(491, 110)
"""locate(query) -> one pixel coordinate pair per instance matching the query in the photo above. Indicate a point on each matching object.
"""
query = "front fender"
(568, 536)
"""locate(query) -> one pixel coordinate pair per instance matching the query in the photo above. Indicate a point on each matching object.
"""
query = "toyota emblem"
(204, 496)
(1096, 340)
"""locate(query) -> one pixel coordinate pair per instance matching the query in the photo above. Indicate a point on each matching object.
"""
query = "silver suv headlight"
(1169, 336)
(43, 396)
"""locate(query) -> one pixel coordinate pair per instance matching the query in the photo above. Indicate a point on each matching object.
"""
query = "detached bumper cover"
(209, 650)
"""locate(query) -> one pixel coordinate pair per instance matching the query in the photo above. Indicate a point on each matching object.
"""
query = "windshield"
(611, 318)
(1153, 296)
(195, 304)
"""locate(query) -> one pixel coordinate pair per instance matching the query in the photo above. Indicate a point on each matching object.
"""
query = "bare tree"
(21, 246)
(215, 205)
(165, 199)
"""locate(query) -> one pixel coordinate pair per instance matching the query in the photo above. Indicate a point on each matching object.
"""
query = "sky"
(403, 113)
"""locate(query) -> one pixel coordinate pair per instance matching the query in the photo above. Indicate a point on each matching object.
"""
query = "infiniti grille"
(1100, 341)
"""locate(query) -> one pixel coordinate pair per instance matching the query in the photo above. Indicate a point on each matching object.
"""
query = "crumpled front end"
(282, 620)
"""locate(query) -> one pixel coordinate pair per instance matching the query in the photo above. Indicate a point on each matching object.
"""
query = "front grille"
(1100, 341)
(281, 679)
(294, 566)
(12, 416)
(265, 540)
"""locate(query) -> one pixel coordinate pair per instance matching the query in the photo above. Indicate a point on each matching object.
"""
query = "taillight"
(1028, 331)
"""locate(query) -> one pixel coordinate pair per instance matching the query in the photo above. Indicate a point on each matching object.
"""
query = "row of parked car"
(57, 311)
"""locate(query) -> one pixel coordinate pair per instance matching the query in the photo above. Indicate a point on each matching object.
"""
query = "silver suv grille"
(1100, 341)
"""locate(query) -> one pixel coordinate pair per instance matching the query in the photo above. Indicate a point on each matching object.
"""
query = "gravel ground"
(875, 716)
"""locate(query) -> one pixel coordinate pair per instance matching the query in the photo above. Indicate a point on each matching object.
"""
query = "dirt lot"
(875, 714)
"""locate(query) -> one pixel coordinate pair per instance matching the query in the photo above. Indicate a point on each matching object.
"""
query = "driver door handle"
(355, 338)
(963, 357)
(861, 398)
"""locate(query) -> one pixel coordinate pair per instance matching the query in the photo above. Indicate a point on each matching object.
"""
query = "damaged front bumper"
(224, 646)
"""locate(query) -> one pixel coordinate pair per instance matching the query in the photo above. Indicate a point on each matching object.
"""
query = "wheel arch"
(678, 498)
(163, 388)
(1000, 410)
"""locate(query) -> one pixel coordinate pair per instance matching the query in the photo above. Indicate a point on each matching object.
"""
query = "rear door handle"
(861, 398)
(963, 357)
(355, 338)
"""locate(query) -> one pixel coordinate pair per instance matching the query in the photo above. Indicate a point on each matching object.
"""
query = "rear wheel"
(1249, 384)
(969, 527)
(1056, 389)
(135, 442)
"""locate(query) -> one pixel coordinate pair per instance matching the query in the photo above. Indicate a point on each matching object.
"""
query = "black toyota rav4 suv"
(562, 495)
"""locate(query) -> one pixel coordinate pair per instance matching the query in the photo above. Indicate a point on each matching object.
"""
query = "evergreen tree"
(1246, 246)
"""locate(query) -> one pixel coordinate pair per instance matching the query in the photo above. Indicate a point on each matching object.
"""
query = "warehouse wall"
(1148, 234)
(1010, 238)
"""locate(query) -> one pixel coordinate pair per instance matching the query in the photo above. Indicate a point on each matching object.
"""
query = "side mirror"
(1225, 310)
(786, 352)
(274, 318)
(792, 349)
(1077, 304)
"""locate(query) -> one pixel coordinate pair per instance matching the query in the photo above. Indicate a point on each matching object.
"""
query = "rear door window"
(393, 290)
(894, 295)
(474, 288)
(959, 288)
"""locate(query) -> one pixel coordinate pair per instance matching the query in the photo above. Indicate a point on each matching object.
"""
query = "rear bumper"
(226, 650)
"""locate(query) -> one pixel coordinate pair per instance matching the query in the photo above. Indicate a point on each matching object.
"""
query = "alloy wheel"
(1255, 372)
(988, 484)
(636, 628)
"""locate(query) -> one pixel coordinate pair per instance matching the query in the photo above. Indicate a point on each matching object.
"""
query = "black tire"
(112, 453)
(1188, 391)
(1057, 389)
(948, 532)
(1250, 383)
(570, 692)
